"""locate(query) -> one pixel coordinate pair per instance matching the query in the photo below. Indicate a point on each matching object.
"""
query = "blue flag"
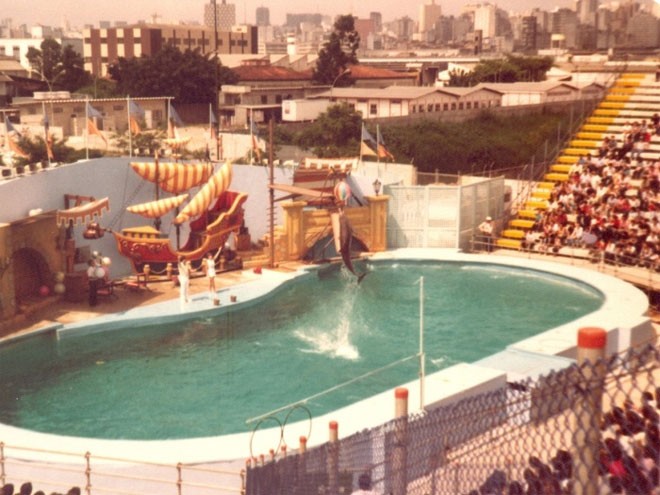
(367, 137)
(174, 117)
(93, 112)
(9, 127)
(135, 109)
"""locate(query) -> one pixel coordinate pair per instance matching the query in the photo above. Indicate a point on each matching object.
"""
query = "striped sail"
(174, 177)
(156, 209)
(152, 171)
(186, 176)
(216, 185)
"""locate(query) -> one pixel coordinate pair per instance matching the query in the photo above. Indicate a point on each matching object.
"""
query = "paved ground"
(39, 313)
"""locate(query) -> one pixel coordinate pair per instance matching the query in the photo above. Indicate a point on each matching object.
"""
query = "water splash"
(335, 343)
(332, 336)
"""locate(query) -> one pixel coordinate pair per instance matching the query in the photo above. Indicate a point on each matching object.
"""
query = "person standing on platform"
(93, 279)
(486, 230)
(210, 274)
(184, 281)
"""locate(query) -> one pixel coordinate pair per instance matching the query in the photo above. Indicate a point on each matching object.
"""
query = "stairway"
(633, 97)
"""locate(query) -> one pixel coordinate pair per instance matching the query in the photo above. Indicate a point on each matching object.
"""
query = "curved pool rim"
(624, 307)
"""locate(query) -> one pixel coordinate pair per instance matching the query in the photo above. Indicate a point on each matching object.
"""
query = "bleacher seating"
(599, 186)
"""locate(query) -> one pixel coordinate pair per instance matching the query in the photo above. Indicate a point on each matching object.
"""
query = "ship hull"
(207, 234)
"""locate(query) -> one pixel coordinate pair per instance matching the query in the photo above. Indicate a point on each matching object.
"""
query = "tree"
(338, 53)
(72, 75)
(60, 68)
(187, 76)
(512, 68)
(334, 134)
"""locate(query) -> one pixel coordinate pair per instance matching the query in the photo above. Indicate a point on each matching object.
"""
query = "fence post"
(400, 447)
(302, 466)
(333, 458)
(88, 472)
(588, 409)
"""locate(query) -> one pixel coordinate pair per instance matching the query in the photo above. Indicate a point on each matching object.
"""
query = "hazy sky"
(79, 12)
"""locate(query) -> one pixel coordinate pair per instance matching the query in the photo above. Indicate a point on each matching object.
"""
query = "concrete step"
(556, 177)
(568, 159)
(508, 243)
(536, 204)
(527, 214)
(563, 168)
(522, 223)
(513, 234)
(541, 194)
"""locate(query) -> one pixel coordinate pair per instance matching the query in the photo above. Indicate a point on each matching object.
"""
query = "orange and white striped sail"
(177, 142)
(153, 171)
(174, 177)
(156, 209)
(216, 185)
(185, 176)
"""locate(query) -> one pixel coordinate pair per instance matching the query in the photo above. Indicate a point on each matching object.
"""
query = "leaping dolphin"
(343, 241)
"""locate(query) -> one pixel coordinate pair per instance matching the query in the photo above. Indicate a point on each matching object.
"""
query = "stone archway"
(31, 271)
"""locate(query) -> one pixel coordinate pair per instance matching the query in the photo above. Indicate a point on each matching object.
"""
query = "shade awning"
(82, 214)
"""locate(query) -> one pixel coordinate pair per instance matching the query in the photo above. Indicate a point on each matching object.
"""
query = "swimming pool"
(315, 336)
(207, 376)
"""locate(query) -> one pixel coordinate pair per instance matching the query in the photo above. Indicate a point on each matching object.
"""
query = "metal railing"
(60, 470)
(586, 429)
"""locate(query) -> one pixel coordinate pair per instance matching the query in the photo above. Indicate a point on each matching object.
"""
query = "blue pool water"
(206, 377)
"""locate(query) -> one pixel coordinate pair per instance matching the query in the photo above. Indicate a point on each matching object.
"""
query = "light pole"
(215, 80)
(341, 74)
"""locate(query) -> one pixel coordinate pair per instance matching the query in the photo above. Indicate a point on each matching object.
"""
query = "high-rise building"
(263, 16)
(429, 13)
(528, 35)
(377, 19)
(586, 10)
(564, 22)
(225, 15)
(485, 20)
(642, 30)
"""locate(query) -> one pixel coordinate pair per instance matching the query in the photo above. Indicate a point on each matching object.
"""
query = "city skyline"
(77, 13)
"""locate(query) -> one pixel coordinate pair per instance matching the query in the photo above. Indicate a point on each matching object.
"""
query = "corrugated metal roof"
(391, 92)
(525, 87)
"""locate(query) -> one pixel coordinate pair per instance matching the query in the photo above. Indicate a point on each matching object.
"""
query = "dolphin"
(345, 240)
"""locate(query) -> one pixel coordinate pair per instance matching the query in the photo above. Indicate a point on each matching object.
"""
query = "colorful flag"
(212, 125)
(13, 146)
(173, 123)
(92, 129)
(93, 112)
(367, 137)
(135, 112)
(382, 151)
(9, 127)
(254, 131)
(367, 143)
(12, 133)
(365, 150)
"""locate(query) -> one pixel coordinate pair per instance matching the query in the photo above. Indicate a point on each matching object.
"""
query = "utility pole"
(215, 80)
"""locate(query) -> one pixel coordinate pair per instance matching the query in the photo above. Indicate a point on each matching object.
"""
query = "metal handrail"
(86, 471)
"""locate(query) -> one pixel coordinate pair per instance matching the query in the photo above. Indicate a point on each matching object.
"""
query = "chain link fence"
(586, 429)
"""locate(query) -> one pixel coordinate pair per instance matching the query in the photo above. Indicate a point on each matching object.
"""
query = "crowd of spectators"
(628, 461)
(630, 451)
(610, 203)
